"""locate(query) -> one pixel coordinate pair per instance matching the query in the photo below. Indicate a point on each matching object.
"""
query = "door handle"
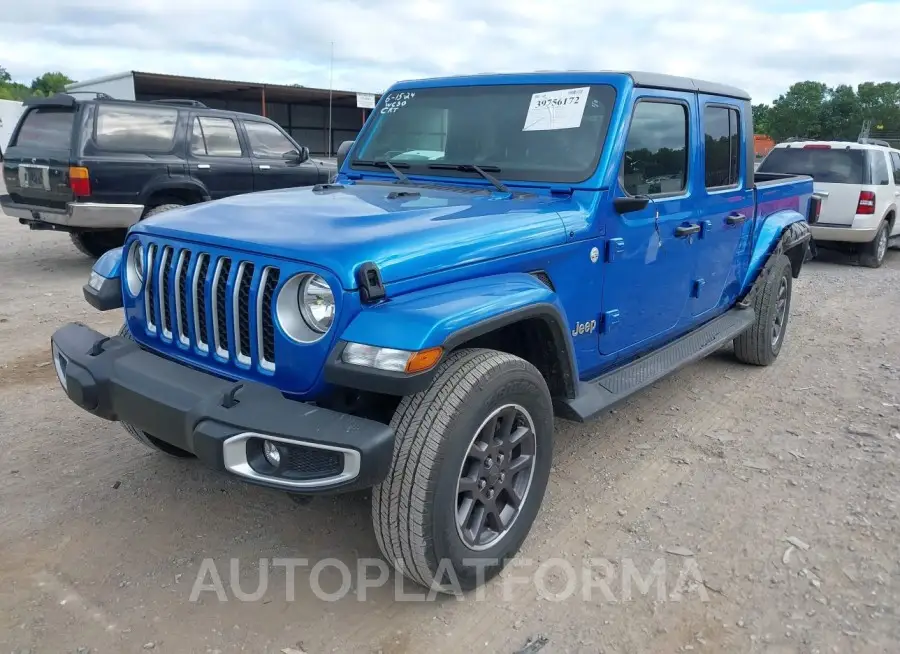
(735, 218)
(264, 166)
(687, 230)
(897, 193)
(203, 166)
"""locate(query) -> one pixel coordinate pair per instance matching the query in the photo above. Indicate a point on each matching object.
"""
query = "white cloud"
(752, 44)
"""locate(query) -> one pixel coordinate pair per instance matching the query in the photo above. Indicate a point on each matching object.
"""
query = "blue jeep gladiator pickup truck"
(495, 250)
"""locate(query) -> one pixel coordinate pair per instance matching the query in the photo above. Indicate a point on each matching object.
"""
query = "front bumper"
(76, 215)
(222, 422)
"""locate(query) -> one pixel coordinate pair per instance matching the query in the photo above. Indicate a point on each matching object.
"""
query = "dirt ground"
(769, 496)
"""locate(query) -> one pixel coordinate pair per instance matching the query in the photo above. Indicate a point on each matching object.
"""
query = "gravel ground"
(770, 496)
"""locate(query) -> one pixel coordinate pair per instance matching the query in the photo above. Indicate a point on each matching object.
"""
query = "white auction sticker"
(561, 109)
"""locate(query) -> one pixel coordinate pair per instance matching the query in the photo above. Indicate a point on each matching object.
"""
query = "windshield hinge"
(561, 190)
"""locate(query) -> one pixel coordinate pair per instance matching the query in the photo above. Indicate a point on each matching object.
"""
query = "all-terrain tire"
(759, 345)
(160, 208)
(872, 254)
(414, 510)
(145, 438)
(96, 244)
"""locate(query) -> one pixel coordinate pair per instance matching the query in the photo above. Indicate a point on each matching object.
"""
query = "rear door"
(727, 205)
(895, 167)
(269, 147)
(36, 163)
(840, 173)
(217, 158)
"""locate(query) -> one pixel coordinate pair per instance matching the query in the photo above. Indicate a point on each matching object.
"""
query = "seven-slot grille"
(213, 303)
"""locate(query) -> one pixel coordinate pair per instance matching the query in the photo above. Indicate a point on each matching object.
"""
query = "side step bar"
(611, 388)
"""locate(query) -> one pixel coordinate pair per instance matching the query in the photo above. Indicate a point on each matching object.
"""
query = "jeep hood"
(340, 228)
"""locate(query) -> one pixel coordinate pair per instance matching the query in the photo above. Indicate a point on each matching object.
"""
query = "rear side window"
(656, 152)
(215, 137)
(880, 174)
(47, 127)
(266, 141)
(895, 164)
(135, 129)
(826, 165)
(722, 142)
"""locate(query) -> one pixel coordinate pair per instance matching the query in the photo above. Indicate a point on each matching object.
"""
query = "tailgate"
(36, 164)
(838, 203)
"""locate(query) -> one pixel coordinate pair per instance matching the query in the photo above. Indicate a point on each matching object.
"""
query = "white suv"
(859, 184)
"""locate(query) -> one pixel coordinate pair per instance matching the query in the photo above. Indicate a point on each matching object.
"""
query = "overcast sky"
(761, 45)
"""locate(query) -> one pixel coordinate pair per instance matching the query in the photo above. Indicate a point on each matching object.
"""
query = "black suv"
(94, 167)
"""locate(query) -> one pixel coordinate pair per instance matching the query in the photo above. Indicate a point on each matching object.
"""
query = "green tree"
(50, 83)
(761, 119)
(5, 77)
(799, 112)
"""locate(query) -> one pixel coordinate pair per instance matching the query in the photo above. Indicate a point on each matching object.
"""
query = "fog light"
(59, 362)
(272, 453)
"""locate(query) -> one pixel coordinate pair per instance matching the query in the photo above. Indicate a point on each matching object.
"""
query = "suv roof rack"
(180, 101)
(869, 141)
(98, 95)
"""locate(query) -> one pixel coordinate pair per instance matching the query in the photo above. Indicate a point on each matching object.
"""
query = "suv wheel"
(761, 344)
(471, 462)
(143, 437)
(872, 254)
(95, 244)
(160, 208)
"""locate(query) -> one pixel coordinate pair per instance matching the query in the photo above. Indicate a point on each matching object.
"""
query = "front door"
(275, 158)
(650, 253)
(217, 158)
(726, 219)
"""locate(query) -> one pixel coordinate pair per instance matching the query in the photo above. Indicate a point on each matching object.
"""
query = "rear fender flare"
(161, 184)
(784, 232)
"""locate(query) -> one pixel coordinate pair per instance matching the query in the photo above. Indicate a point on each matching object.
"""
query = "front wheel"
(761, 344)
(471, 463)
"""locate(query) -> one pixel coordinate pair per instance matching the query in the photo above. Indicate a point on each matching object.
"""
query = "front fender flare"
(449, 316)
(104, 288)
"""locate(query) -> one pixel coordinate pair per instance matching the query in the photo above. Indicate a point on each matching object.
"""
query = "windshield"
(836, 166)
(540, 133)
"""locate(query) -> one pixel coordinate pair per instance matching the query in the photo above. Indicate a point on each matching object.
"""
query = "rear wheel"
(95, 244)
(761, 344)
(160, 208)
(143, 437)
(872, 254)
(471, 462)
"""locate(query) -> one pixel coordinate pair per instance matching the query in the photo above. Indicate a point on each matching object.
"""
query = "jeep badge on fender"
(584, 327)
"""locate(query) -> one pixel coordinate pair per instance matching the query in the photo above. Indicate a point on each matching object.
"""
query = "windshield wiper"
(394, 168)
(484, 171)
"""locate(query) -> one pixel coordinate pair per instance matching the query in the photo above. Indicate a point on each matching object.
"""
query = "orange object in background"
(762, 144)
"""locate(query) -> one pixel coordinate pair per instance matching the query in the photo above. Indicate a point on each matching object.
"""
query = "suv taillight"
(79, 181)
(866, 204)
(815, 208)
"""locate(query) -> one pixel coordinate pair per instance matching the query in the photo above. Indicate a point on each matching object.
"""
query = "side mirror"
(343, 150)
(296, 156)
(629, 204)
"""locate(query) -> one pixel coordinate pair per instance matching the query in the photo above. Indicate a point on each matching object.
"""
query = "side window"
(266, 141)
(135, 129)
(880, 176)
(895, 163)
(656, 153)
(215, 137)
(722, 145)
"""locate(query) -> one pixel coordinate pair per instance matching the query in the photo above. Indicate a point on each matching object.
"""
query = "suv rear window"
(135, 129)
(47, 127)
(835, 166)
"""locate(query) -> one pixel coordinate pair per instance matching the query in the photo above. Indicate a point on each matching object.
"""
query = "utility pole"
(330, 94)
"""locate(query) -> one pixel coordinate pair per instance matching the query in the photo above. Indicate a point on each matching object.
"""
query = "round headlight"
(134, 268)
(316, 303)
